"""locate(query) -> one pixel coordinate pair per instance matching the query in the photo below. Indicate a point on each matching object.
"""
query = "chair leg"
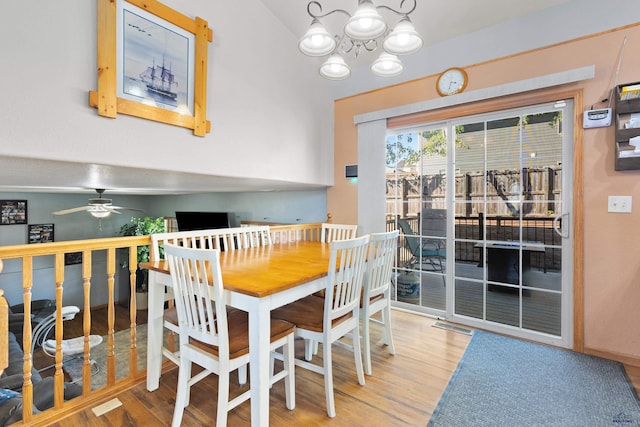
(328, 379)
(182, 392)
(223, 397)
(288, 353)
(357, 354)
(366, 345)
(386, 318)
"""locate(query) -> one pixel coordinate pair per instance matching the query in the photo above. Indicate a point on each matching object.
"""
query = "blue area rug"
(502, 381)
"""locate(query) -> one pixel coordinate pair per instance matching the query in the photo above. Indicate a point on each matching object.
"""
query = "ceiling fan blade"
(72, 210)
(112, 209)
(125, 208)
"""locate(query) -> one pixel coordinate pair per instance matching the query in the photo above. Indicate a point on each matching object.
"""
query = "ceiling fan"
(98, 207)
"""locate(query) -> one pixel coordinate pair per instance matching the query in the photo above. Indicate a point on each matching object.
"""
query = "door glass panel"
(416, 170)
(469, 298)
(502, 265)
(508, 187)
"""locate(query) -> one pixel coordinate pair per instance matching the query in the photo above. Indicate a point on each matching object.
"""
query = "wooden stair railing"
(27, 254)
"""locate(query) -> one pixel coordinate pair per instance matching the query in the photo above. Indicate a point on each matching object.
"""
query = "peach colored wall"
(612, 241)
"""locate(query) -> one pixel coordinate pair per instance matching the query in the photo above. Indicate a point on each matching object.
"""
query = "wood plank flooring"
(403, 390)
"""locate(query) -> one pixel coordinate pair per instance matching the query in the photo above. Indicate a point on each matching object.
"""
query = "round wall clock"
(451, 81)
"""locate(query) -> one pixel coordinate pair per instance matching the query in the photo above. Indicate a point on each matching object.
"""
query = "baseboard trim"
(622, 358)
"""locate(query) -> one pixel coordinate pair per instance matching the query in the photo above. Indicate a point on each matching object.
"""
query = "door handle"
(558, 229)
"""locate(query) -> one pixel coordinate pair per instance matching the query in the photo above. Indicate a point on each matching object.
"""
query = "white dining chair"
(328, 319)
(213, 338)
(331, 232)
(376, 297)
(226, 239)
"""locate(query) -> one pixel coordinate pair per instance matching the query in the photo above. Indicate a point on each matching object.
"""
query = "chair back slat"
(380, 261)
(198, 292)
(346, 273)
(333, 232)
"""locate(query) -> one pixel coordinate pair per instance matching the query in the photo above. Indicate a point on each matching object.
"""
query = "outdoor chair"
(428, 253)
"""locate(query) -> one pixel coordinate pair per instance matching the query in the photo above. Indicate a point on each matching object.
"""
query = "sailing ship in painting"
(160, 80)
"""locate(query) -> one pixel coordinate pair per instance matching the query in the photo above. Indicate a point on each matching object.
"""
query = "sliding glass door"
(483, 204)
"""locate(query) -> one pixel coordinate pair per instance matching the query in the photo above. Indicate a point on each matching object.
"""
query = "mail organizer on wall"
(627, 98)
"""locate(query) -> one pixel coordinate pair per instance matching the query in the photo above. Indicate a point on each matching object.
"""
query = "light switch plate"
(620, 204)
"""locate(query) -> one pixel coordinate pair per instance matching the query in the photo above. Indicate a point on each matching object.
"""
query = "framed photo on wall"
(73, 258)
(13, 212)
(40, 233)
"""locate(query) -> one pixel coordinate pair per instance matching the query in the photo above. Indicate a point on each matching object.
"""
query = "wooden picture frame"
(13, 212)
(118, 25)
(40, 233)
(72, 258)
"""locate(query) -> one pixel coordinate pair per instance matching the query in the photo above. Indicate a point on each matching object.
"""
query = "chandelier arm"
(415, 3)
(319, 16)
(373, 43)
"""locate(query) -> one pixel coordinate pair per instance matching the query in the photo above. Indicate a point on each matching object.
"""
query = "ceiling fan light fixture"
(99, 212)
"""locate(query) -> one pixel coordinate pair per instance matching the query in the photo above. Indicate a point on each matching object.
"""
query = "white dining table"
(256, 280)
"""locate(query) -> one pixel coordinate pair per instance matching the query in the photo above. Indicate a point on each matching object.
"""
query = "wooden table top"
(267, 270)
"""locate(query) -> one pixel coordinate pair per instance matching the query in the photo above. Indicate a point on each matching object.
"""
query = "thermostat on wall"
(351, 171)
(597, 118)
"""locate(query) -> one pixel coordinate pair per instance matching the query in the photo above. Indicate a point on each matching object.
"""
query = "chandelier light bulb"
(387, 65)
(317, 41)
(403, 40)
(365, 23)
(335, 68)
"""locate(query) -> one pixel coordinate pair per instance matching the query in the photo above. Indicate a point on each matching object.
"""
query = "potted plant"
(142, 227)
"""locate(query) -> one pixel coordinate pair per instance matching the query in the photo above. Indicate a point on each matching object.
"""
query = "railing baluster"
(59, 375)
(86, 321)
(133, 268)
(27, 385)
(111, 316)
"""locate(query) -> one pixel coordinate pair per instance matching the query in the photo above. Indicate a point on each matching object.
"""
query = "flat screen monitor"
(188, 221)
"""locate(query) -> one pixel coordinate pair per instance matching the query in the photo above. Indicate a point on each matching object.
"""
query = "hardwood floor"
(403, 390)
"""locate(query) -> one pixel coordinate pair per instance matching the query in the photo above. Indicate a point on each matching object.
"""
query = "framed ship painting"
(13, 212)
(153, 64)
(156, 66)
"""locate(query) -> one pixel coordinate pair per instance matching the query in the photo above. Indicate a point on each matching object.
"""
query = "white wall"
(270, 117)
(570, 20)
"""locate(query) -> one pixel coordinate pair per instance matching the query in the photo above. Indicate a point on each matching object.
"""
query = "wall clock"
(451, 81)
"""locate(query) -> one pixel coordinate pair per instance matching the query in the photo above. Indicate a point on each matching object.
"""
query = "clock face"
(451, 81)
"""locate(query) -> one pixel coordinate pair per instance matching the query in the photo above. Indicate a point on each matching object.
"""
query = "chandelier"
(362, 31)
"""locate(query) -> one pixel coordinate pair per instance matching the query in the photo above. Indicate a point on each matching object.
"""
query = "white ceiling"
(435, 20)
